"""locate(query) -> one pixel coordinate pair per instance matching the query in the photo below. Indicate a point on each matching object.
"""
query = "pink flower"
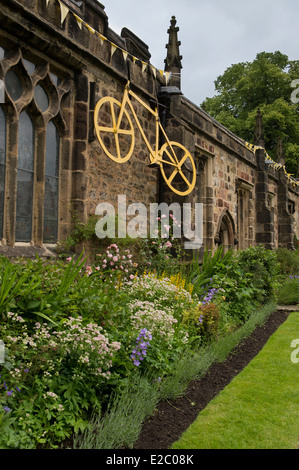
(115, 259)
(69, 259)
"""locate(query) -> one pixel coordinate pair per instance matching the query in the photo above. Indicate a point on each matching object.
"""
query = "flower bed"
(75, 335)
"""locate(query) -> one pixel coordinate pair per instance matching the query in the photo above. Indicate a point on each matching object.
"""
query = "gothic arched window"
(25, 179)
(51, 184)
(32, 131)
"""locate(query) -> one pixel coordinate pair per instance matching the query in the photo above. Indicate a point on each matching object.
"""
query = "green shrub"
(212, 264)
(288, 261)
(288, 293)
(202, 321)
(262, 265)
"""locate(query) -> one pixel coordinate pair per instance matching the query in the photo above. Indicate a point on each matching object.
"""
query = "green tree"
(265, 83)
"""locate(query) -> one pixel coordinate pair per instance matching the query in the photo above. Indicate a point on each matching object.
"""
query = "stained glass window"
(2, 166)
(25, 179)
(51, 184)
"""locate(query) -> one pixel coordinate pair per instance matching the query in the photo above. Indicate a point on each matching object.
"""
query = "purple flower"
(9, 393)
(141, 346)
(6, 409)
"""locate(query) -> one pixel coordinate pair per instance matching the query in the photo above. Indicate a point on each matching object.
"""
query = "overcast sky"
(214, 34)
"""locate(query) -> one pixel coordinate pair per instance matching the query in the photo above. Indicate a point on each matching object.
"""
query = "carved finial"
(259, 138)
(280, 156)
(173, 59)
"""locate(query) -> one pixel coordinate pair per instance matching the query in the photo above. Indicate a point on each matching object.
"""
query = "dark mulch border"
(171, 418)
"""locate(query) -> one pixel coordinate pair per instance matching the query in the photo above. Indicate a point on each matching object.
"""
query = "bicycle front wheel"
(115, 135)
(177, 168)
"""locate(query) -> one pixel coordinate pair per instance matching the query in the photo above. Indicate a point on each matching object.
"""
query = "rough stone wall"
(245, 201)
(87, 176)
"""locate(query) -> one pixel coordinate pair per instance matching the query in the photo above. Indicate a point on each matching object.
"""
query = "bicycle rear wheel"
(116, 137)
(177, 168)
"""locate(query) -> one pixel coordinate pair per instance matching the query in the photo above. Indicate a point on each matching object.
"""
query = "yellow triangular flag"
(134, 59)
(64, 11)
(161, 73)
(125, 54)
(90, 28)
(47, 2)
(79, 21)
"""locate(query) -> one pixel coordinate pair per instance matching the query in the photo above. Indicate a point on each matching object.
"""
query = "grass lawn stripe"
(259, 409)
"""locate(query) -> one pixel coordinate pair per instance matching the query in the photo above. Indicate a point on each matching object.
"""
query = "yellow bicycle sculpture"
(112, 118)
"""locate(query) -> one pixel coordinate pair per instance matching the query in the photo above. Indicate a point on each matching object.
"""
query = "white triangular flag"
(144, 66)
(113, 48)
(154, 70)
(64, 11)
(102, 38)
(167, 76)
(125, 54)
(47, 2)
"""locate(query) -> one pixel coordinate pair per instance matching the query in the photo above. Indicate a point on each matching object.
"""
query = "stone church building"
(58, 59)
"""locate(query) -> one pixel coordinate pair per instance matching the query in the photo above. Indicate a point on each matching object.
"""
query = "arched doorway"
(226, 232)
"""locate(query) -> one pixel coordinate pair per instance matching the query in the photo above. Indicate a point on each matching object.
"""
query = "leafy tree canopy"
(265, 83)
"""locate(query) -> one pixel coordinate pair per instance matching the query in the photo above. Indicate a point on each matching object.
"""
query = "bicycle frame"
(155, 157)
(171, 154)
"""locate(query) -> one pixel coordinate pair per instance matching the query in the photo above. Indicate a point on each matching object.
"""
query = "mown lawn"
(259, 409)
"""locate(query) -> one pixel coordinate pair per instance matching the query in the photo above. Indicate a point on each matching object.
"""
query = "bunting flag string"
(64, 11)
(276, 165)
